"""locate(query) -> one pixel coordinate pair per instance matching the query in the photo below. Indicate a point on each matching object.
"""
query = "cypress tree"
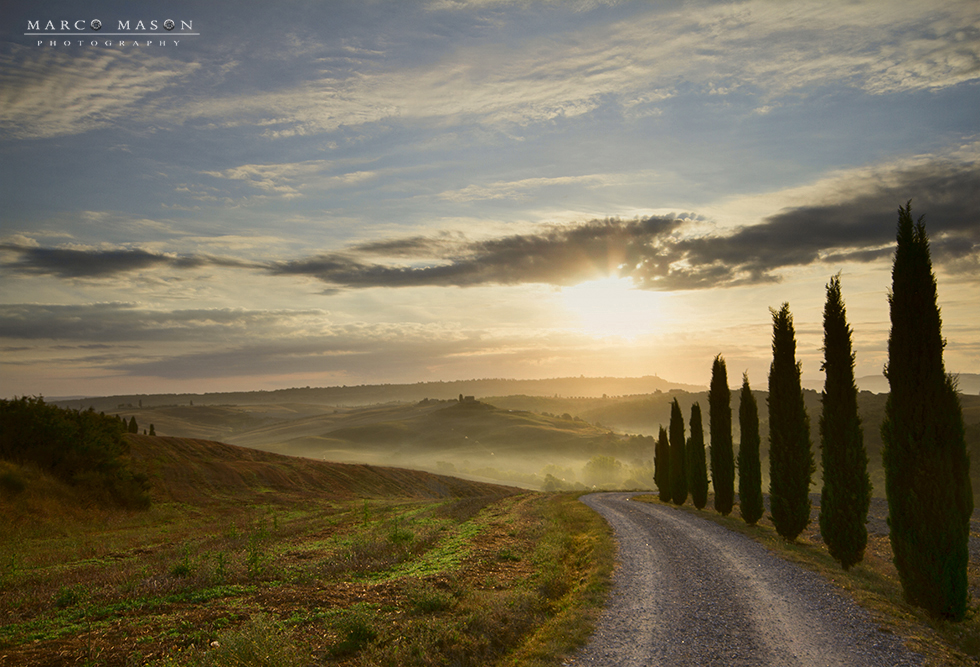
(661, 462)
(697, 470)
(720, 428)
(678, 454)
(133, 426)
(846, 492)
(790, 451)
(749, 465)
(927, 480)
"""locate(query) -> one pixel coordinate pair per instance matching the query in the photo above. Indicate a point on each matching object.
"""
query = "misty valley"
(580, 435)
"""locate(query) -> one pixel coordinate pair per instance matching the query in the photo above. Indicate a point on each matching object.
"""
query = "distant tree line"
(82, 448)
(925, 458)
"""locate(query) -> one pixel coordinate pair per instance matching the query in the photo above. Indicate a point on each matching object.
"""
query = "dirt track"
(689, 592)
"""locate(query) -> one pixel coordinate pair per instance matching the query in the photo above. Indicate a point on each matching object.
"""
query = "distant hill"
(969, 383)
(429, 433)
(345, 396)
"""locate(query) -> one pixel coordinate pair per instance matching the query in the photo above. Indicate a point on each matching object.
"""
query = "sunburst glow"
(613, 307)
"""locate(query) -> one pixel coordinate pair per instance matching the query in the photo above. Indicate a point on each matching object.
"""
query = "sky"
(300, 193)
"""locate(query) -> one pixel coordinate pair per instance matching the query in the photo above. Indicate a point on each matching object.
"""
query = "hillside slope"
(199, 471)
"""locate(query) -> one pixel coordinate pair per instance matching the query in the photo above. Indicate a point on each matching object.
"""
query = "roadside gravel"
(689, 592)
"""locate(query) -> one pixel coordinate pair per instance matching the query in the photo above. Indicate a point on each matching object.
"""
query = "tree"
(133, 426)
(678, 456)
(661, 462)
(846, 492)
(697, 471)
(720, 427)
(927, 480)
(152, 430)
(81, 448)
(749, 465)
(790, 451)
(602, 471)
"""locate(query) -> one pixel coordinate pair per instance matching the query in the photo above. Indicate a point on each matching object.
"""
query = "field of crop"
(249, 553)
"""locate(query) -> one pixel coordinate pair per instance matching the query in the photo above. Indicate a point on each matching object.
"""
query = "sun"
(612, 307)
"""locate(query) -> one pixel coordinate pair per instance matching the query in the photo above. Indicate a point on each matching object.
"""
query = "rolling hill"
(196, 471)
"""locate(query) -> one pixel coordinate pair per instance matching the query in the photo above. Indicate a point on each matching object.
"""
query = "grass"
(509, 578)
(873, 583)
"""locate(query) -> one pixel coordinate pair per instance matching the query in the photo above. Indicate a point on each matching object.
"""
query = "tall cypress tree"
(661, 462)
(846, 490)
(697, 470)
(927, 479)
(749, 465)
(790, 452)
(720, 427)
(678, 456)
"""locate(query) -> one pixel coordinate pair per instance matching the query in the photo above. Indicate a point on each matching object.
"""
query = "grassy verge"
(515, 579)
(873, 583)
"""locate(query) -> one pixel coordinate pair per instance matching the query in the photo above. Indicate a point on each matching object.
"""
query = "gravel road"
(689, 592)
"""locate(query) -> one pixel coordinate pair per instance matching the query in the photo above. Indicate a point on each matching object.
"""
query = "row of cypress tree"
(926, 464)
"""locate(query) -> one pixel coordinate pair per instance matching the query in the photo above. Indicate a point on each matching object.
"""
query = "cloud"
(517, 189)
(50, 93)
(631, 64)
(131, 340)
(862, 226)
(273, 179)
(854, 223)
(847, 220)
(712, 49)
(557, 255)
(130, 322)
(100, 263)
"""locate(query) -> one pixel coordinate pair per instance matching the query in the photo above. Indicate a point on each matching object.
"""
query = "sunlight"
(612, 307)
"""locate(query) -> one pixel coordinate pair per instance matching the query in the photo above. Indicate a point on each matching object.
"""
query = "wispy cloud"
(521, 189)
(633, 64)
(50, 93)
(877, 47)
(133, 323)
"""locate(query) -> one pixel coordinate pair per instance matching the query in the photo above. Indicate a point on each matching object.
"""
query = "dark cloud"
(75, 263)
(654, 251)
(70, 263)
(558, 255)
(947, 193)
(858, 229)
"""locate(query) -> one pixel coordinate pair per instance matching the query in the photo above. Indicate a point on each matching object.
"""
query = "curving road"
(689, 592)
